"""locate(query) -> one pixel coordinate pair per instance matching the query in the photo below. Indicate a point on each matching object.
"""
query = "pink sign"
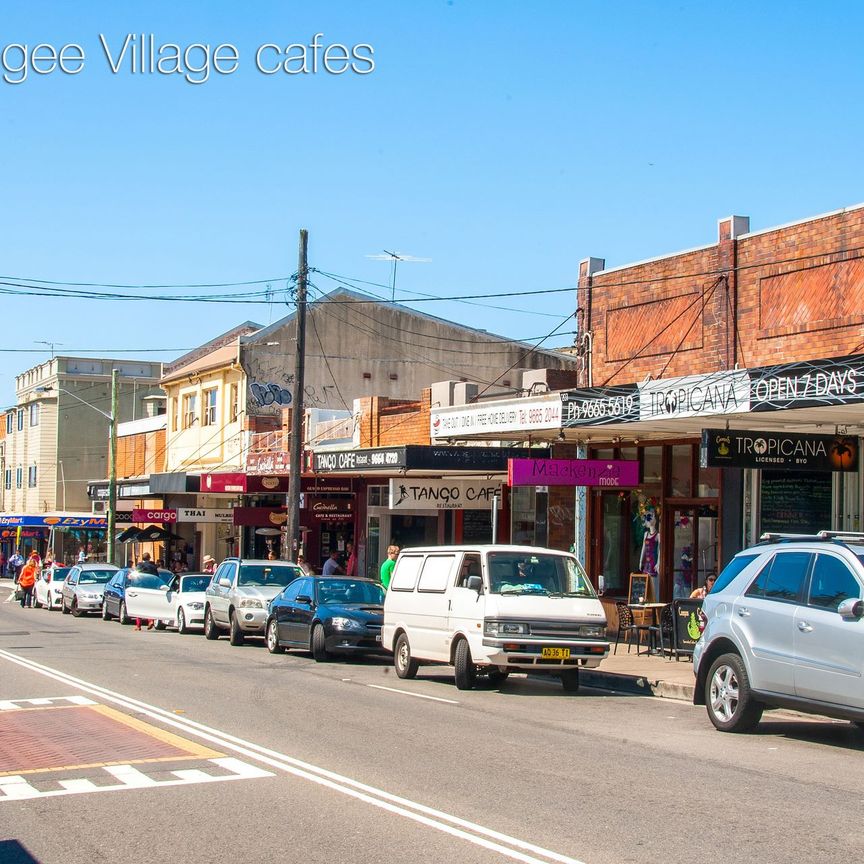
(572, 472)
(155, 514)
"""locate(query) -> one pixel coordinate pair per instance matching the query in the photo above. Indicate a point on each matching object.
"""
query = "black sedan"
(327, 615)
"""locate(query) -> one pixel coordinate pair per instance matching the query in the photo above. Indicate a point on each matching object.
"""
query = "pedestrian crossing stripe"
(19, 788)
(43, 702)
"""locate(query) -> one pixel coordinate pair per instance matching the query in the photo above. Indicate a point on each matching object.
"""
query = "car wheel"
(273, 645)
(570, 680)
(319, 644)
(122, 617)
(730, 703)
(63, 608)
(406, 666)
(159, 625)
(36, 603)
(106, 615)
(466, 671)
(210, 629)
(235, 636)
(75, 610)
(181, 621)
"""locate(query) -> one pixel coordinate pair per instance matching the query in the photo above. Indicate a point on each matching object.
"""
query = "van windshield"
(537, 573)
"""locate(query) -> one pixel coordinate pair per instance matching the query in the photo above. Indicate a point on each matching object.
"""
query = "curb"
(637, 685)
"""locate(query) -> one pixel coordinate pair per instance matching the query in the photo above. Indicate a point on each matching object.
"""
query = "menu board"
(795, 502)
(640, 588)
(476, 526)
(687, 630)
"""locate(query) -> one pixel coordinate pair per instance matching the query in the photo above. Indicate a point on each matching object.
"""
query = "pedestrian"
(351, 563)
(700, 593)
(145, 565)
(27, 579)
(2, 564)
(209, 564)
(301, 563)
(387, 567)
(16, 562)
(332, 566)
(82, 555)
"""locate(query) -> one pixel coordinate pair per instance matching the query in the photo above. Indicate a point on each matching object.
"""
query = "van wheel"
(406, 665)
(466, 671)
(570, 680)
(730, 703)
(235, 635)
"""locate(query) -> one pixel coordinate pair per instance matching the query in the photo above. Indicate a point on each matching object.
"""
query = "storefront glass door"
(693, 530)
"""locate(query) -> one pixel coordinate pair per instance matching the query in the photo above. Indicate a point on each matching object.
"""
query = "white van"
(493, 610)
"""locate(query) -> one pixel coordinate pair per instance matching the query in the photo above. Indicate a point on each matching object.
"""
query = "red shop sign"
(273, 517)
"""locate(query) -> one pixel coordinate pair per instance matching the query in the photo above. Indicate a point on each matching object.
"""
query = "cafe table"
(654, 609)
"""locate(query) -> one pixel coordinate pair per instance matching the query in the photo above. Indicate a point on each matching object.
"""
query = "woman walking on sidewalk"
(27, 580)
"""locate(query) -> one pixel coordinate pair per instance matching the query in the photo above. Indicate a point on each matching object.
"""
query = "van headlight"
(504, 628)
(594, 631)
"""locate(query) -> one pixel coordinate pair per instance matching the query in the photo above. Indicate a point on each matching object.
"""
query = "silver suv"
(783, 629)
(239, 593)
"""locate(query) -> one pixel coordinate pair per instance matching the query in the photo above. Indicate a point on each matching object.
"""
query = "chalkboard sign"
(476, 526)
(795, 502)
(687, 633)
(640, 588)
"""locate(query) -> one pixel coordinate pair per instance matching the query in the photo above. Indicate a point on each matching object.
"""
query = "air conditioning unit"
(100, 506)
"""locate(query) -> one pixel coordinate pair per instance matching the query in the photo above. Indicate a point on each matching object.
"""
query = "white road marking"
(16, 787)
(409, 693)
(130, 776)
(79, 785)
(472, 832)
(18, 704)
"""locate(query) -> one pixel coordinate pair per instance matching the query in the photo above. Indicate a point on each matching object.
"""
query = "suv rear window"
(782, 578)
(731, 570)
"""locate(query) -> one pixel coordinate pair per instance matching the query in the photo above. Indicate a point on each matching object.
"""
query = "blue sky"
(503, 140)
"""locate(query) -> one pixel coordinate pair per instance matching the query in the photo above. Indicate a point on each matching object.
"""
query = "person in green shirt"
(388, 565)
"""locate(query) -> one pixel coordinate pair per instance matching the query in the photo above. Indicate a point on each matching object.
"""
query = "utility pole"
(112, 467)
(296, 444)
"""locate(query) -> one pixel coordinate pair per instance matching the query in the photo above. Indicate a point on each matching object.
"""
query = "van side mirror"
(851, 609)
(474, 583)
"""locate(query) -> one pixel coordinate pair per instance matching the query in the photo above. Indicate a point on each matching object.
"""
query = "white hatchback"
(784, 628)
(48, 590)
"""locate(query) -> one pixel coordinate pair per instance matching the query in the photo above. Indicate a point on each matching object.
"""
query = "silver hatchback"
(84, 587)
(783, 628)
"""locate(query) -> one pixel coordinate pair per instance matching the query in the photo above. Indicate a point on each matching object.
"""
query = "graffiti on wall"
(270, 393)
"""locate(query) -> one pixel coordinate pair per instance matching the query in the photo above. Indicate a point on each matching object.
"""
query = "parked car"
(48, 591)
(114, 600)
(178, 603)
(327, 615)
(783, 628)
(493, 610)
(239, 593)
(84, 586)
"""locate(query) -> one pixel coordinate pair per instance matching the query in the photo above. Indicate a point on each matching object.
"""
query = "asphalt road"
(281, 759)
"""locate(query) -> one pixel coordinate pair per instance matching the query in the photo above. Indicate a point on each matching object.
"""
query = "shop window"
(378, 496)
(606, 453)
(208, 416)
(709, 482)
(652, 465)
(631, 454)
(681, 482)
(523, 500)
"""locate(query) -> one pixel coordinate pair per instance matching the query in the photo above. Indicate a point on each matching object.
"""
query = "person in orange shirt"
(27, 580)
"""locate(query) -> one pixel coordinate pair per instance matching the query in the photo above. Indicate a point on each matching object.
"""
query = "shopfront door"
(693, 531)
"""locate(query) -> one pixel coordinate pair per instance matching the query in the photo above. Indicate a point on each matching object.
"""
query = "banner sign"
(423, 493)
(238, 482)
(573, 472)
(274, 517)
(207, 516)
(810, 384)
(596, 406)
(359, 460)
(728, 448)
(54, 521)
(500, 416)
(328, 508)
(276, 462)
(695, 396)
(166, 517)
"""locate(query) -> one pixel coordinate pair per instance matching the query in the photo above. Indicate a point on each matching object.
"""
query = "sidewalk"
(646, 675)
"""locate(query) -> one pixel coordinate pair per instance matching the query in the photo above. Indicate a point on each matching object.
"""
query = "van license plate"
(555, 653)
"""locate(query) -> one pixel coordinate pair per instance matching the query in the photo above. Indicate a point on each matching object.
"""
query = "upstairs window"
(34, 413)
(234, 404)
(208, 417)
(20, 419)
(31, 477)
(190, 409)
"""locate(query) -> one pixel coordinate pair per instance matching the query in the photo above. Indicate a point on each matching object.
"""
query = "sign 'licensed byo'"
(442, 494)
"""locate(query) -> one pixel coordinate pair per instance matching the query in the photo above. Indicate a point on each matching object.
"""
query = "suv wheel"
(210, 629)
(235, 635)
(730, 703)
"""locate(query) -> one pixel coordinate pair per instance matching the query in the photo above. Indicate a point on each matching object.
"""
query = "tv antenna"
(49, 344)
(396, 257)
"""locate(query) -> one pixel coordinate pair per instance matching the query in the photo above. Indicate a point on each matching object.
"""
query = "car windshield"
(338, 592)
(95, 577)
(268, 575)
(195, 583)
(58, 574)
(537, 573)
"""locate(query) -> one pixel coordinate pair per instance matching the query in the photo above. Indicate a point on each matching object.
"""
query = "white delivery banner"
(502, 415)
(420, 493)
(205, 515)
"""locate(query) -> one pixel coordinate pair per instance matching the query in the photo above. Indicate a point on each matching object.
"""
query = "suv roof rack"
(823, 536)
